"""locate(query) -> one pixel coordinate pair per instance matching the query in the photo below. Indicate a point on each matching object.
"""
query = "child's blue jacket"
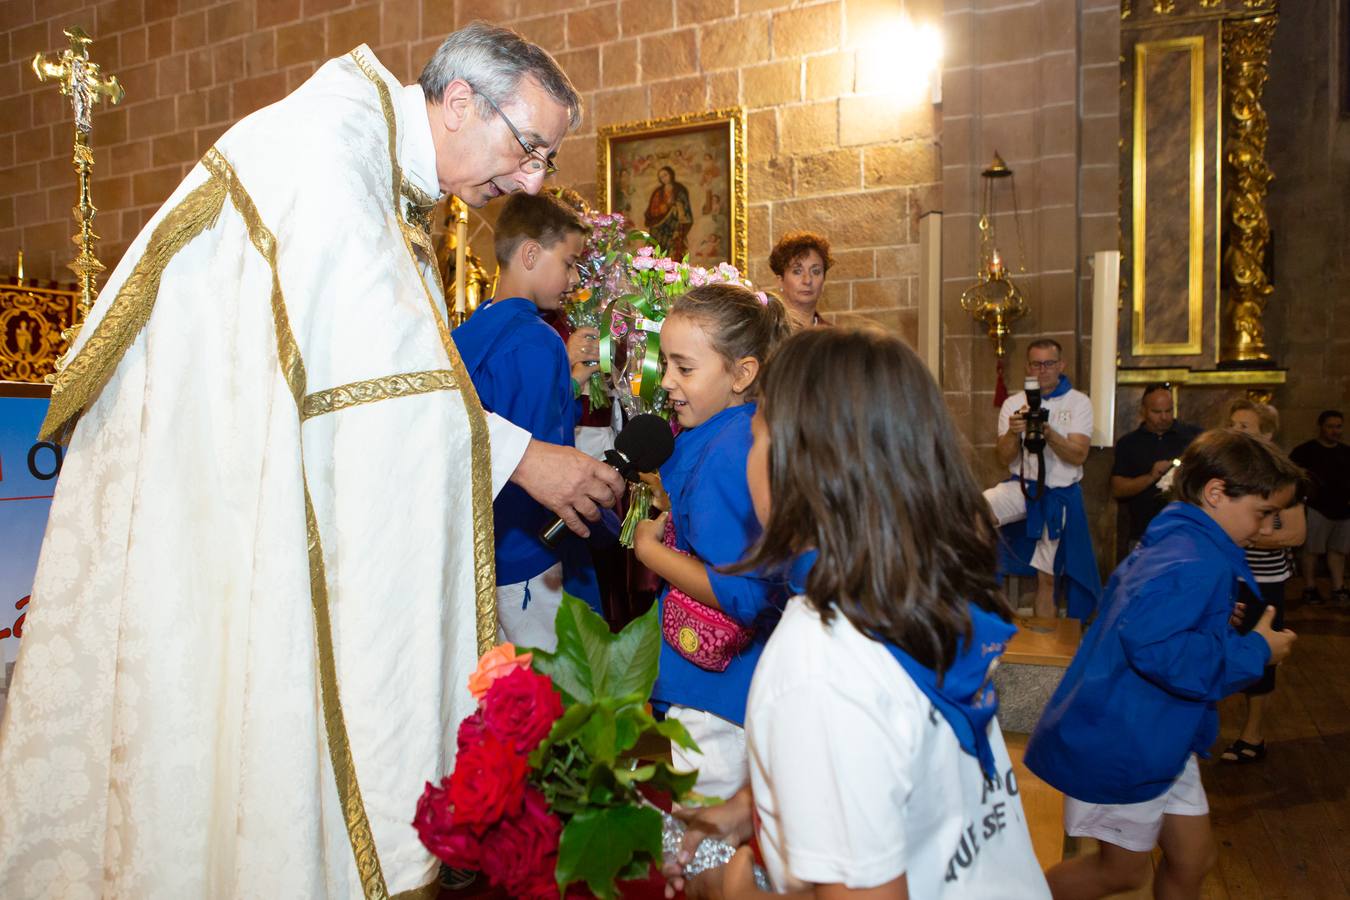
(1142, 691)
(518, 365)
(715, 521)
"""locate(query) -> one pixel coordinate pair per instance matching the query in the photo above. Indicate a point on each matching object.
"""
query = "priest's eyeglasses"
(533, 163)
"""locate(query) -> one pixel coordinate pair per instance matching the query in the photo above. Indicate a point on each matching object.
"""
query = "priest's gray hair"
(493, 61)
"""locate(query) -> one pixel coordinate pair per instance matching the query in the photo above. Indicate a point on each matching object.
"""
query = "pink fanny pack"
(707, 637)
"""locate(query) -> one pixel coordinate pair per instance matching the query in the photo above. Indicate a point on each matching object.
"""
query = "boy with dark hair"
(1139, 701)
(523, 371)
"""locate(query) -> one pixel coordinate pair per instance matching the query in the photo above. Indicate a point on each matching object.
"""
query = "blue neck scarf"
(966, 698)
(1061, 389)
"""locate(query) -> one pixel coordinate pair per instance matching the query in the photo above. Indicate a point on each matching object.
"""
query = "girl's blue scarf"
(966, 697)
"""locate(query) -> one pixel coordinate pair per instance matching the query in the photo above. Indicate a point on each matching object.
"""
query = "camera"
(1037, 417)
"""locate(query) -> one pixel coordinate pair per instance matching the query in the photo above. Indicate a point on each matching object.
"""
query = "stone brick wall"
(1308, 319)
(829, 147)
(1010, 85)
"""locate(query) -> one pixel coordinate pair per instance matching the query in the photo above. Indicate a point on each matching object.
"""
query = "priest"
(268, 571)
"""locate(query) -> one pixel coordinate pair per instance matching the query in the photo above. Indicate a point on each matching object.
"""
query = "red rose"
(451, 842)
(520, 708)
(471, 731)
(521, 853)
(488, 783)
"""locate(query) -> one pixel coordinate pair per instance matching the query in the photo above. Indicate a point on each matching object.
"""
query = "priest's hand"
(567, 481)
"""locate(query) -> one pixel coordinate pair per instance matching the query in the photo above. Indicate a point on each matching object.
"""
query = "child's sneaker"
(1311, 597)
(1341, 598)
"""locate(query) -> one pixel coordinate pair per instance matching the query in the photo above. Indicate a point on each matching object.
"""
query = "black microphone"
(643, 446)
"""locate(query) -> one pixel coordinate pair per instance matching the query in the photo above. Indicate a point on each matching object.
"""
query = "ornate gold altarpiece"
(34, 318)
(1194, 177)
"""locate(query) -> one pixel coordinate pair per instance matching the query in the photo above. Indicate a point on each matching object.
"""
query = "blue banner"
(28, 470)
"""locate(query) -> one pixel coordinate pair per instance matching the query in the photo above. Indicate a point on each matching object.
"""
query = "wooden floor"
(1283, 824)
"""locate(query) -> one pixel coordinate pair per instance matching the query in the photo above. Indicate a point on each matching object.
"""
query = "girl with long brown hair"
(876, 762)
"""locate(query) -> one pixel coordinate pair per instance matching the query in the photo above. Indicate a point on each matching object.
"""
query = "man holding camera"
(1043, 437)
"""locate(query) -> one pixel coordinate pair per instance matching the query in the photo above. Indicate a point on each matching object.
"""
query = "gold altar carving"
(83, 82)
(1161, 12)
(1246, 59)
(33, 322)
(461, 270)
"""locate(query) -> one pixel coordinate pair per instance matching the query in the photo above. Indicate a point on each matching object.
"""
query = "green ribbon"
(651, 367)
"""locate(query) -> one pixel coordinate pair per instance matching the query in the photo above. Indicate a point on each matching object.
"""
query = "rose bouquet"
(541, 797)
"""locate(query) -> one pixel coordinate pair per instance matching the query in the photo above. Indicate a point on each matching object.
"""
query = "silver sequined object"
(710, 854)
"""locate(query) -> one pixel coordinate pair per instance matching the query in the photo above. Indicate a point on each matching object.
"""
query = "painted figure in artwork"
(669, 215)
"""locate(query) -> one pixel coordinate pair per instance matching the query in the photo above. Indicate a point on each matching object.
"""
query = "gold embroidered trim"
(375, 389)
(79, 383)
(485, 575)
(420, 205)
(293, 369)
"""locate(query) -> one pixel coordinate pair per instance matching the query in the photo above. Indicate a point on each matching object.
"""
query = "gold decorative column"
(81, 81)
(1246, 61)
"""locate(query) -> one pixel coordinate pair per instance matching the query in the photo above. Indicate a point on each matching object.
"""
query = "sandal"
(1242, 752)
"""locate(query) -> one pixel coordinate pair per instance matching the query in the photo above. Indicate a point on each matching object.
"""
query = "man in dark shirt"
(1144, 455)
(1327, 462)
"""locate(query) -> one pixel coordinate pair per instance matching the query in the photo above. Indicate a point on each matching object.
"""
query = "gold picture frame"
(705, 216)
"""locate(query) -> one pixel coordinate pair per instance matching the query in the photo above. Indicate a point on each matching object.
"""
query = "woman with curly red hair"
(800, 260)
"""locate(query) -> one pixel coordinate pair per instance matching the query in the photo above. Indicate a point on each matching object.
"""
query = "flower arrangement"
(630, 343)
(540, 798)
(601, 270)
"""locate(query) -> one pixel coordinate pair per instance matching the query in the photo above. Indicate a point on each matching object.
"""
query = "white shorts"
(722, 763)
(1008, 505)
(1135, 826)
(529, 621)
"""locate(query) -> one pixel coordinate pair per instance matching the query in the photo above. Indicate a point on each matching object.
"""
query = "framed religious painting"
(682, 180)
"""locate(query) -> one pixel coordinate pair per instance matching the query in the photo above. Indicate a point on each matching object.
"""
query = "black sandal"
(1242, 752)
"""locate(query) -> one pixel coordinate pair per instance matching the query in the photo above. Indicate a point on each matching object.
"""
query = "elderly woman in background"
(800, 260)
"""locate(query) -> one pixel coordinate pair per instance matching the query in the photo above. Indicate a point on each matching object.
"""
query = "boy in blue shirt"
(1139, 701)
(523, 371)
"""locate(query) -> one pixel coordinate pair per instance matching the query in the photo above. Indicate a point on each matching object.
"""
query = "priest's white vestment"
(268, 571)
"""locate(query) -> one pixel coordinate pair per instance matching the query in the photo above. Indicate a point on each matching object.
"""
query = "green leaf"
(677, 784)
(673, 730)
(598, 844)
(591, 663)
(634, 776)
(578, 664)
(636, 654)
(636, 870)
(597, 735)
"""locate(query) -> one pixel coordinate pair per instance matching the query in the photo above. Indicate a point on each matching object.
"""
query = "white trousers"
(526, 610)
(722, 763)
(1008, 505)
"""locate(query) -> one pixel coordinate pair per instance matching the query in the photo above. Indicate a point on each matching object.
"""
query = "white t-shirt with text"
(1070, 413)
(858, 779)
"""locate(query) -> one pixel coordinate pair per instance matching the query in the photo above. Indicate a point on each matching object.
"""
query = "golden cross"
(79, 79)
